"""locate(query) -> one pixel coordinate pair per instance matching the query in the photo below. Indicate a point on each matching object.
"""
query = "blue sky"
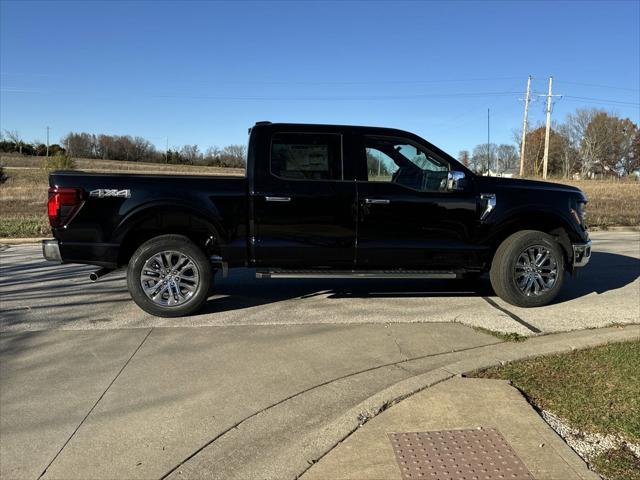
(202, 72)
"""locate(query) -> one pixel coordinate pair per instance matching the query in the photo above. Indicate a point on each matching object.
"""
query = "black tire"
(199, 288)
(503, 269)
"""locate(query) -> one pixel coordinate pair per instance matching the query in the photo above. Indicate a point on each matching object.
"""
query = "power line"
(325, 82)
(603, 100)
(346, 97)
(601, 86)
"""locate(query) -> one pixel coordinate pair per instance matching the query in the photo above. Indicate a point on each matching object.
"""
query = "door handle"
(377, 201)
(277, 199)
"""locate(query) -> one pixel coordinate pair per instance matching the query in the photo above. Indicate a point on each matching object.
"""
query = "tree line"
(589, 143)
(125, 148)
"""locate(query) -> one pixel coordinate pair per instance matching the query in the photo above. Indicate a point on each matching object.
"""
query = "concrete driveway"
(37, 295)
(263, 382)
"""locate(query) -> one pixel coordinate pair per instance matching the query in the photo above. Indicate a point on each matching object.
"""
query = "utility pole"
(47, 141)
(488, 143)
(166, 151)
(524, 126)
(545, 159)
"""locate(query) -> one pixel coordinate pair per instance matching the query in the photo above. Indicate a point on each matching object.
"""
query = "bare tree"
(569, 156)
(81, 145)
(14, 136)
(234, 156)
(604, 141)
(480, 158)
(507, 157)
(632, 161)
(585, 142)
(464, 157)
(212, 156)
(190, 153)
(141, 149)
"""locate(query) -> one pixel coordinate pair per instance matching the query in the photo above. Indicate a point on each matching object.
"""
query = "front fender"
(537, 218)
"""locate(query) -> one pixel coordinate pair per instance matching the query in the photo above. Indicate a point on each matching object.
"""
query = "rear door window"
(307, 156)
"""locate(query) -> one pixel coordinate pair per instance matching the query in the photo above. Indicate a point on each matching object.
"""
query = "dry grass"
(611, 202)
(23, 197)
(14, 162)
(594, 390)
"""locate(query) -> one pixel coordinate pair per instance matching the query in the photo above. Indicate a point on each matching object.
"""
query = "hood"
(493, 183)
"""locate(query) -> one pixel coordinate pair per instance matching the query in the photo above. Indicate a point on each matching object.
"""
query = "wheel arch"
(548, 222)
(160, 218)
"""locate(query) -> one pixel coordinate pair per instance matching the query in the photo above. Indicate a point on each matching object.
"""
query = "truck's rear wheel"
(528, 269)
(169, 276)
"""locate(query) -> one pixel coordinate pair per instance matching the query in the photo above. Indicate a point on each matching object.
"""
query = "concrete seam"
(95, 405)
(513, 316)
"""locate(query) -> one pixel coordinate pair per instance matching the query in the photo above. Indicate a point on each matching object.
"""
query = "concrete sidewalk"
(223, 402)
(454, 405)
(137, 403)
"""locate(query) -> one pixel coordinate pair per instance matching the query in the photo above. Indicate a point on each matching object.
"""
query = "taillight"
(63, 204)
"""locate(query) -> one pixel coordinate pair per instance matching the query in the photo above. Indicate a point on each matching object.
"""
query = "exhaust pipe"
(93, 276)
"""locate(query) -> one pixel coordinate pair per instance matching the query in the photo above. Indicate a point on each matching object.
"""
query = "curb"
(22, 241)
(483, 357)
(613, 228)
(325, 437)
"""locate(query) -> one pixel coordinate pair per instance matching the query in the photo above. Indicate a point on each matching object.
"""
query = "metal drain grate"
(457, 455)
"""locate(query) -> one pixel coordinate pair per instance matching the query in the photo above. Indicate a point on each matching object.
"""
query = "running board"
(437, 274)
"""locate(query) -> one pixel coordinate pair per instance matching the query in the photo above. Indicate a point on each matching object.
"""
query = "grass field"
(611, 202)
(595, 391)
(23, 197)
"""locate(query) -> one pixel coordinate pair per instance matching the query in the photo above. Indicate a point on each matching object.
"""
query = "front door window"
(401, 162)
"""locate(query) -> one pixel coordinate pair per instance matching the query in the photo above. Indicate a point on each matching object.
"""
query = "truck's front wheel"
(528, 269)
(169, 276)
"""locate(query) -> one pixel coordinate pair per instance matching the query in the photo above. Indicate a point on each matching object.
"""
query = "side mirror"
(455, 181)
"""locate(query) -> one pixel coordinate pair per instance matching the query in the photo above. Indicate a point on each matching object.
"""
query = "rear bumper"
(581, 254)
(51, 250)
(100, 254)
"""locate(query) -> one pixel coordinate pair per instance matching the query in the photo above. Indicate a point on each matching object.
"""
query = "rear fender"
(161, 217)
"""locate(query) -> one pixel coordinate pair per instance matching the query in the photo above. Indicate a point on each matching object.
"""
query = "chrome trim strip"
(277, 199)
(355, 275)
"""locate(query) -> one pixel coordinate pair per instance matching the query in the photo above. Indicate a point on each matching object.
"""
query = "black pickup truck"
(322, 201)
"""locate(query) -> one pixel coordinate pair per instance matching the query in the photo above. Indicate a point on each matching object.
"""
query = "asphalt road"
(38, 295)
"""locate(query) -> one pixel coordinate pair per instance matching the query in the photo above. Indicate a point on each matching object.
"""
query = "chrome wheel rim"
(170, 278)
(536, 271)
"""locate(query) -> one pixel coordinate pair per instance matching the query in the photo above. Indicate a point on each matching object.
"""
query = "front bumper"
(581, 254)
(51, 250)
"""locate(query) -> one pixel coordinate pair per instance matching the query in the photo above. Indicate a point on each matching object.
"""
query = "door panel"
(413, 229)
(314, 228)
(407, 219)
(304, 212)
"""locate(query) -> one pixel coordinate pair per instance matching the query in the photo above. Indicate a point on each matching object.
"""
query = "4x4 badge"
(110, 192)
